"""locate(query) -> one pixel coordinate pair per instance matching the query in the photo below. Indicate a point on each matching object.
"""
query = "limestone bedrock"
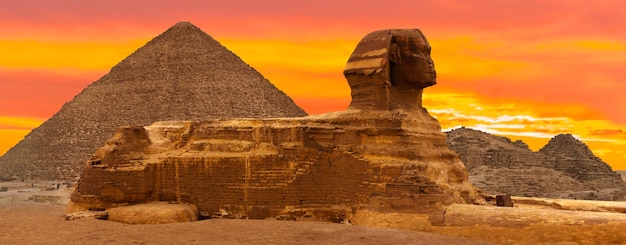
(384, 155)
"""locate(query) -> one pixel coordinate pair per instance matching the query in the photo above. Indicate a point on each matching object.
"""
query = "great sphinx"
(384, 154)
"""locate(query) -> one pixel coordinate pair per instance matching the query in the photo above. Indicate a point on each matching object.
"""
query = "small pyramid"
(182, 74)
(567, 144)
(563, 168)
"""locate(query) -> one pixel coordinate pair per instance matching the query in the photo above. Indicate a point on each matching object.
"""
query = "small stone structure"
(504, 200)
(385, 154)
(47, 198)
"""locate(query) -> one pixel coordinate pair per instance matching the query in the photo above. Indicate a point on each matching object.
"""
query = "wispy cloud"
(22, 123)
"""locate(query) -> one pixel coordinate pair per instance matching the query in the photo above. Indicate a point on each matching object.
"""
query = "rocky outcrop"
(183, 74)
(385, 156)
(563, 168)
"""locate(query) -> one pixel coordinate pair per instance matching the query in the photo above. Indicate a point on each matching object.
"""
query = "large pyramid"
(183, 74)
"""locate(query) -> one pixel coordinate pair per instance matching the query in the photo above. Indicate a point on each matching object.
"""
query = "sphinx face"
(389, 70)
(410, 63)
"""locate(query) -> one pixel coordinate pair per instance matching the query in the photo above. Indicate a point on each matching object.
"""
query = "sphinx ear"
(394, 53)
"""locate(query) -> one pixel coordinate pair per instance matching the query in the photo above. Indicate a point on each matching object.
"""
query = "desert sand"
(34, 213)
(27, 220)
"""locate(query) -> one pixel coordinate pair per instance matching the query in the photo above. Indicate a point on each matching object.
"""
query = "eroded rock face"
(382, 155)
(564, 168)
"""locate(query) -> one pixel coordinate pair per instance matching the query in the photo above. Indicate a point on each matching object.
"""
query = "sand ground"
(35, 214)
(31, 215)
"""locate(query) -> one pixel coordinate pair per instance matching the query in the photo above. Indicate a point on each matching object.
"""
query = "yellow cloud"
(53, 55)
(597, 47)
(19, 122)
(519, 120)
(320, 56)
(13, 129)
(10, 137)
(298, 68)
(465, 58)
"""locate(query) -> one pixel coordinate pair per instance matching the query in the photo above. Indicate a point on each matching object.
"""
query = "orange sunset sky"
(523, 69)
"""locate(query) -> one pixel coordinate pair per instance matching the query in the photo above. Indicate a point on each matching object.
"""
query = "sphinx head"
(389, 69)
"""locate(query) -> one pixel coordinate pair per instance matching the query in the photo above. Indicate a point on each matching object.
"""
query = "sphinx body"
(385, 154)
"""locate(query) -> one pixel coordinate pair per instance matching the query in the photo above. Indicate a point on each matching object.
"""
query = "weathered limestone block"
(153, 213)
(385, 154)
(102, 215)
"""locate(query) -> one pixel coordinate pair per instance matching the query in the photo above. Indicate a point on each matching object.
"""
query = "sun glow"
(527, 75)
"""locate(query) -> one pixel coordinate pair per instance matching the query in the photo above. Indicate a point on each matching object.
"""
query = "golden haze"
(475, 81)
